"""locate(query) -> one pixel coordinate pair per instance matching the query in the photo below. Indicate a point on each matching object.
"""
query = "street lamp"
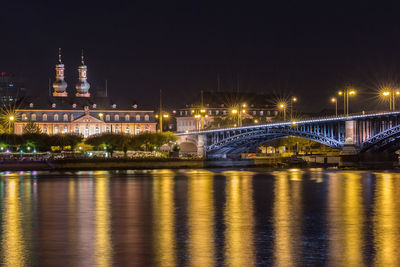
(283, 107)
(101, 116)
(11, 118)
(392, 97)
(334, 100)
(292, 100)
(346, 93)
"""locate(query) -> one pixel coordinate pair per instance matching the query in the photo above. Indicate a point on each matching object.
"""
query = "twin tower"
(60, 85)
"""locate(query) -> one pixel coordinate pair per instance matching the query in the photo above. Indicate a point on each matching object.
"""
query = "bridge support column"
(201, 141)
(349, 155)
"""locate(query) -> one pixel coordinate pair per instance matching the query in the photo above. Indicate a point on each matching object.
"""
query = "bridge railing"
(289, 122)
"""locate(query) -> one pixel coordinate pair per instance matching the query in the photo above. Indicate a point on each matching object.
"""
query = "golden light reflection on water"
(201, 219)
(386, 221)
(239, 219)
(103, 248)
(163, 218)
(287, 216)
(13, 241)
(345, 219)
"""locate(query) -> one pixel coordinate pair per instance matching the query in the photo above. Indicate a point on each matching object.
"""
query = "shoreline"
(140, 164)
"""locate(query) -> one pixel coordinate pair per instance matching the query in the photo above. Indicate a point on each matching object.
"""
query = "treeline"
(107, 141)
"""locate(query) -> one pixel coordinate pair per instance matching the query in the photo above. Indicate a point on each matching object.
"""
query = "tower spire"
(59, 56)
(60, 84)
(82, 58)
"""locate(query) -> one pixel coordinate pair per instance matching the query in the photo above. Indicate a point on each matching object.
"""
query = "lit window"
(65, 129)
(116, 117)
(147, 129)
(127, 117)
(65, 117)
(138, 117)
(146, 117)
(31, 105)
(116, 129)
(137, 131)
(261, 113)
(97, 130)
(33, 117)
(56, 117)
(107, 117)
(24, 117)
(107, 129)
(56, 130)
(44, 117)
(76, 129)
(114, 105)
(73, 105)
(94, 106)
(53, 105)
(44, 129)
(127, 130)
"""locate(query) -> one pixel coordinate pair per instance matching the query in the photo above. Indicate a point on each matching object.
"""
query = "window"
(268, 113)
(107, 129)
(146, 117)
(261, 112)
(114, 105)
(127, 117)
(116, 117)
(76, 129)
(147, 129)
(127, 130)
(65, 117)
(44, 129)
(31, 105)
(53, 105)
(107, 117)
(116, 129)
(137, 131)
(72, 117)
(137, 117)
(56, 117)
(94, 106)
(86, 134)
(24, 117)
(216, 112)
(65, 129)
(33, 117)
(210, 112)
(181, 112)
(44, 117)
(254, 112)
(73, 105)
(97, 130)
(56, 130)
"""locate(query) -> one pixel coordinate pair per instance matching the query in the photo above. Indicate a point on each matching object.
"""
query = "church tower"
(82, 87)
(60, 85)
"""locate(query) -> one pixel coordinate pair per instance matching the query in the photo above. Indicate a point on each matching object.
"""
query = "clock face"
(83, 74)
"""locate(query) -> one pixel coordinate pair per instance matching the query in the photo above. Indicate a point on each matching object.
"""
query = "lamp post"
(292, 100)
(11, 119)
(391, 93)
(334, 100)
(283, 107)
(346, 93)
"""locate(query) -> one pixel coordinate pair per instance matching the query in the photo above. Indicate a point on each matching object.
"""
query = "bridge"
(363, 132)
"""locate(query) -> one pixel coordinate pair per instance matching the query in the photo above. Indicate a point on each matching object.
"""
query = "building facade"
(215, 107)
(82, 113)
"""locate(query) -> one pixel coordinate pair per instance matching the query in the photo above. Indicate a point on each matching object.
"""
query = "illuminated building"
(81, 113)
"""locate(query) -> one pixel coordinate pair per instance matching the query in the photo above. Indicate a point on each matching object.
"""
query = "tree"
(31, 128)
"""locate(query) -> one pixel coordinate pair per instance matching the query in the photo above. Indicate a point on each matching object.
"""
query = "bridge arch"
(388, 140)
(242, 142)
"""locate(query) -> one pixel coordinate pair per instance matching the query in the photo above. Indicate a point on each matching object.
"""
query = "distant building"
(82, 113)
(11, 89)
(257, 108)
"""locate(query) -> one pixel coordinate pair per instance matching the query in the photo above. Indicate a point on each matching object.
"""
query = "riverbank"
(172, 163)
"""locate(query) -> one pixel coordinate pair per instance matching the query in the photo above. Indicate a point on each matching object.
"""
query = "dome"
(60, 85)
(82, 87)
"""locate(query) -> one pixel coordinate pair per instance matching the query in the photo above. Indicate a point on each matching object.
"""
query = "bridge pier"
(349, 156)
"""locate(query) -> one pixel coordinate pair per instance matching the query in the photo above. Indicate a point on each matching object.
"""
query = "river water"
(202, 218)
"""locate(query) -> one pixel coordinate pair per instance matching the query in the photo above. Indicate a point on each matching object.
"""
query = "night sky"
(302, 48)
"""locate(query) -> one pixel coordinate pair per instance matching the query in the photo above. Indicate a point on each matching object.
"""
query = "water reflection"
(287, 217)
(345, 219)
(386, 221)
(239, 219)
(201, 218)
(103, 248)
(163, 218)
(13, 247)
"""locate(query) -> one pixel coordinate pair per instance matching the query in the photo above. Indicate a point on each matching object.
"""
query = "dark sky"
(303, 48)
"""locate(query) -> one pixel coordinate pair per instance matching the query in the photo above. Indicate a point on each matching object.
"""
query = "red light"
(174, 111)
(3, 73)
